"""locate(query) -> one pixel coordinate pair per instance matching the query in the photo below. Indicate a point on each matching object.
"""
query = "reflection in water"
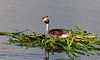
(62, 59)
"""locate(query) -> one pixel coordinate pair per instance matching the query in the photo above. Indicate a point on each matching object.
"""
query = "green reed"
(79, 42)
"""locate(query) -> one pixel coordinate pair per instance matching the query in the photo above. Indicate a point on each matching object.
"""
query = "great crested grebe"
(61, 33)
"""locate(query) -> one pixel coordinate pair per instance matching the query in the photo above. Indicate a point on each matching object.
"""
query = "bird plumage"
(58, 32)
(55, 32)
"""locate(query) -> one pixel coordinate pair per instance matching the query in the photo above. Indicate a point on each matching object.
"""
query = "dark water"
(23, 14)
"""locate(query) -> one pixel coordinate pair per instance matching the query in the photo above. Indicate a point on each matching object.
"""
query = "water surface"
(23, 14)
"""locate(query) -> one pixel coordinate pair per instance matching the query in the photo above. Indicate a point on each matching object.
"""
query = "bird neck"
(47, 28)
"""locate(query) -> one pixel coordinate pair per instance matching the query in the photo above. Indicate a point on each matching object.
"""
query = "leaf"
(64, 27)
(71, 42)
(80, 28)
(79, 52)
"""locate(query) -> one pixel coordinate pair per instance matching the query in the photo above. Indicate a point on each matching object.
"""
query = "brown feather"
(58, 32)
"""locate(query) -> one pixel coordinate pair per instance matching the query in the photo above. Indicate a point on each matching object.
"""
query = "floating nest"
(79, 42)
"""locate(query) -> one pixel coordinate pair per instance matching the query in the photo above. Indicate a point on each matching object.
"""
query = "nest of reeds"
(79, 42)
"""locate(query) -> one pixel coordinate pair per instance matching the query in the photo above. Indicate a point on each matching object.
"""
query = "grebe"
(61, 33)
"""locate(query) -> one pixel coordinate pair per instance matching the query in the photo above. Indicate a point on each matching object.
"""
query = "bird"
(60, 33)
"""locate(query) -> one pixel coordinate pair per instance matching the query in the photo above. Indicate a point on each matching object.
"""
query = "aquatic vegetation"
(79, 42)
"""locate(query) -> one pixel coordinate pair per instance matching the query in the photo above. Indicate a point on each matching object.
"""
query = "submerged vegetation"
(79, 42)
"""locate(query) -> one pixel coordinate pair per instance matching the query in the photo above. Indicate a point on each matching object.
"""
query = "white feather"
(64, 36)
(44, 19)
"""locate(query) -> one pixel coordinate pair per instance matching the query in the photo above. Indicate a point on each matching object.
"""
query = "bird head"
(45, 19)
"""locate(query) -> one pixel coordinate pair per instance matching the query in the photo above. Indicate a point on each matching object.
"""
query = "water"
(23, 14)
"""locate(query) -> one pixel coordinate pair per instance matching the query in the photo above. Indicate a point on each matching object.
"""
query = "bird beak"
(41, 19)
